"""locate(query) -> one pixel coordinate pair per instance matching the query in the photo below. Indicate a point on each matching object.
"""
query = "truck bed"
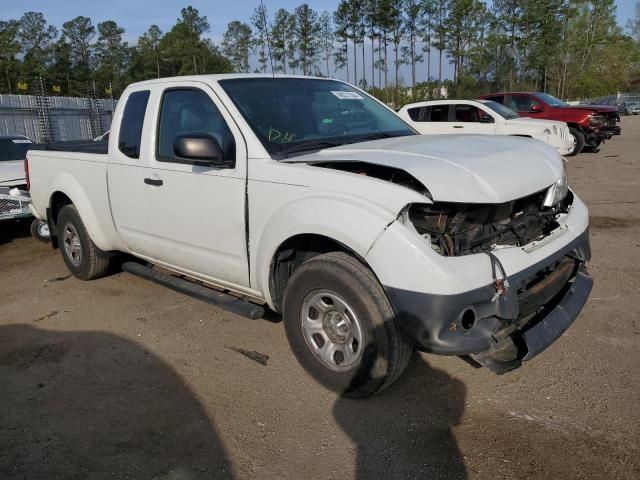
(78, 146)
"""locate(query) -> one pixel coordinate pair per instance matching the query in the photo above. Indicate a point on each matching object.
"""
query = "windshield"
(501, 110)
(551, 100)
(14, 148)
(299, 115)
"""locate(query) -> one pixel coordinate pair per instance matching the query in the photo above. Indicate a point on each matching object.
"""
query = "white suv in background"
(484, 117)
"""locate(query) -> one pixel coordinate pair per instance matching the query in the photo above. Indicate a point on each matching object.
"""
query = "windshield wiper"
(312, 145)
(377, 136)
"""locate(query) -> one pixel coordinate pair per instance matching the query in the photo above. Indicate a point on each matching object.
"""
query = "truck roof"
(226, 76)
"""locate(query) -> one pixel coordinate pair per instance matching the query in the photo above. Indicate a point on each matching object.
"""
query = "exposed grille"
(14, 206)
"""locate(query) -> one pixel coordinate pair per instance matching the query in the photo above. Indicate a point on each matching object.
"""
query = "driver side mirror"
(535, 108)
(200, 149)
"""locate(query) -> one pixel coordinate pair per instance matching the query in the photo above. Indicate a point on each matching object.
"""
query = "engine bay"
(456, 229)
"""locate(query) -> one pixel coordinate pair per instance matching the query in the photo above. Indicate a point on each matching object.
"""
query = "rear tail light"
(26, 173)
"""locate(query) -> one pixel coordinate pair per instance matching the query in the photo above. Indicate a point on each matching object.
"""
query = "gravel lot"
(120, 378)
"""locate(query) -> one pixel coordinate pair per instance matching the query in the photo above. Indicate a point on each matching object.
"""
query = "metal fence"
(615, 99)
(46, 119)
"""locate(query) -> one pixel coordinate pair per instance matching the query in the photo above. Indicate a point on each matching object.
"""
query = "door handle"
(458, 126)
(153, 181)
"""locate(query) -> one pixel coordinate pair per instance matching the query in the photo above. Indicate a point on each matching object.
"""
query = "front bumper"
(613, 129)
(595, 138)
(513, 328)
(446, 305)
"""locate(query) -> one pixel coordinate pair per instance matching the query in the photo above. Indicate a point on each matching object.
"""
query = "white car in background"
(484, 117)
(13, 151)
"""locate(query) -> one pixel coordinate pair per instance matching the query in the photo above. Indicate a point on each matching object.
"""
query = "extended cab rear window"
(132, 121)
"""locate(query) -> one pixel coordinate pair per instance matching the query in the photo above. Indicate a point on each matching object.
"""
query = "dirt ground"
(121, 378)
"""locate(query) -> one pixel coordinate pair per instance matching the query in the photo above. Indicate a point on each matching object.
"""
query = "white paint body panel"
(12, 173)
(197, 224)
(550, 132)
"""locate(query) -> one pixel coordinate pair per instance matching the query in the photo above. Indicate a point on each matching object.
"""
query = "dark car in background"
(629, 108)
(590, 125)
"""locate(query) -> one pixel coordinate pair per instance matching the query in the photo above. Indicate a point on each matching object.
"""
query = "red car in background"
(590, 125)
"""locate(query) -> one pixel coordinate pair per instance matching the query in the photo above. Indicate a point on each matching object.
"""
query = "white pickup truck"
(485, 117)
(313, 198)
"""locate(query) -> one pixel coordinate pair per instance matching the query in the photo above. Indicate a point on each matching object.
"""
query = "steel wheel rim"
(72, 245)
(331, 330)
(43, 230)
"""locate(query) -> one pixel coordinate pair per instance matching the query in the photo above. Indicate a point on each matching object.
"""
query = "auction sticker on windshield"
(21, 140)
(347, 95)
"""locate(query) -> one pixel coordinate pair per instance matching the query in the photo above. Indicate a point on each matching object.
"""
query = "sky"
(137, 15)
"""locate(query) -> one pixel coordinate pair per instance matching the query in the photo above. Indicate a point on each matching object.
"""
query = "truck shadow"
(81, 404)
(12, 229)
(406, 431)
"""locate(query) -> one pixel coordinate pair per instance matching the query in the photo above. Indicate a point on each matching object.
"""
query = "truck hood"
(12, 173)
(593, 108)
(458, 168)
(535, 122)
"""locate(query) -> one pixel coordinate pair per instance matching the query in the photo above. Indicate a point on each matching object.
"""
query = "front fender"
(349, 220)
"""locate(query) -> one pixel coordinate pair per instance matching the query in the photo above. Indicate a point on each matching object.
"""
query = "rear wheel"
(341, 327)
(83, 258)
(578, 140)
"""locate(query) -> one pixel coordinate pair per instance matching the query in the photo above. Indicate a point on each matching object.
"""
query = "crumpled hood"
(459, 168)
(12, 173)
(593, 108)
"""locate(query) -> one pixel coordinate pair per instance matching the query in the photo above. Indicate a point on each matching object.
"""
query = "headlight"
(595, 120)
(558, 190)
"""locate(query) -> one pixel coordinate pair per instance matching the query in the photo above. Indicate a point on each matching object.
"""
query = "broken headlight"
(558, 190)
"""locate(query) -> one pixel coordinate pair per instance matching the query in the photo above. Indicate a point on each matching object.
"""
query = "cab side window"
(130, 135)
(186, 112)
(522, 103)
(416, 114)
(439, 113)
(467, 113)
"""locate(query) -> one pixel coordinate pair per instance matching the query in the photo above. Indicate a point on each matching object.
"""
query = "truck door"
(194, 215)
(472, 120)
(431, 120)
(526, 106)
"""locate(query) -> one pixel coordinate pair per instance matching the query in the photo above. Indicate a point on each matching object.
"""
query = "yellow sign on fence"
(56, 88)
(24, 86)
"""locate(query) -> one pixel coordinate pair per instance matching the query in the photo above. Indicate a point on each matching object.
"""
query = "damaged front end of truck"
(518, 315)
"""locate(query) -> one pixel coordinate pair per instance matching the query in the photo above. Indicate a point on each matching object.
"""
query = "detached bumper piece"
(508, 351)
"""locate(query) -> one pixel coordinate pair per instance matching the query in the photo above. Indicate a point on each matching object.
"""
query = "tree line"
(570, 48)
(81, 55)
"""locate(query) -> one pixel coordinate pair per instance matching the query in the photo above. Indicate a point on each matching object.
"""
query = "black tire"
(40, 231)
(580, 140)
(384, 353)
(92, 262)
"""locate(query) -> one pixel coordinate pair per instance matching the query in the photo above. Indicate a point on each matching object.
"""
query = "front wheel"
(578, 140)
(83, 258)
(341, 327)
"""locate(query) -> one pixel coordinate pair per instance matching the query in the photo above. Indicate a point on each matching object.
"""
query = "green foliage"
(306, 32)
(236, 45)
(83, 55)
(571, 48)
